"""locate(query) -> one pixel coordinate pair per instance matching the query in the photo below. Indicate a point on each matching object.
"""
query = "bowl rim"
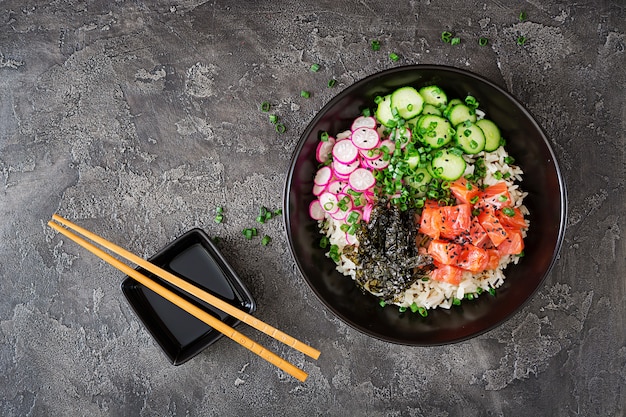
(425, 67)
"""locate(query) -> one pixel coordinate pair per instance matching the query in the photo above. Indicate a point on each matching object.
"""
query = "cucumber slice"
(492, 134)
(408, 102)
(470, 138)
(451, 104)
(434, 96)
(383, 112)
(430, 109)
(419, 180)
(434, 130)
(447, 166)
(461, 113)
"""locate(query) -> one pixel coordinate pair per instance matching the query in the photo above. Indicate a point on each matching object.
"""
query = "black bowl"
(546, 201)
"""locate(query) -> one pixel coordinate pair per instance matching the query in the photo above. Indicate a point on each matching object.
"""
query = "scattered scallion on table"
(483, 41)
(394, 57)
(305, 94)
(375, 45)
(331, 83)
(522, 16)
(315, 67)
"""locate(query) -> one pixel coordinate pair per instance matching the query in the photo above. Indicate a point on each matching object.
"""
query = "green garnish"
(331, 83)
(315, 67)
(266, 240)
(522, 16)
(446, 37)
(508, 211)
(521, 40)
(394, 57)
(305, 94)
(483, 41)
(280, 128)
(265, 106)
(455, 41)
(375, 45)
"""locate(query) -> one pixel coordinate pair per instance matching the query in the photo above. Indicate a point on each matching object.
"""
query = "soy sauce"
(195, 265)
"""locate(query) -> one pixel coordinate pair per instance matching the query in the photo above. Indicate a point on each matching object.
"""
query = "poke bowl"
(364, 303)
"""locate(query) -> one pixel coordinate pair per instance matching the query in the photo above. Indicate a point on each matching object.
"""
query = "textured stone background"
(137, 119)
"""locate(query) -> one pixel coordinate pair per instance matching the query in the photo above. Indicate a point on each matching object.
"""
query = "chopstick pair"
(182, 303)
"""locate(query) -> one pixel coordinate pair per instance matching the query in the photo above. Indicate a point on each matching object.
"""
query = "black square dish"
(194, 258)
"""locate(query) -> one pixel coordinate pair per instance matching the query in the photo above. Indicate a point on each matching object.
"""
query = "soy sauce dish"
(545, 201)
(194, 258)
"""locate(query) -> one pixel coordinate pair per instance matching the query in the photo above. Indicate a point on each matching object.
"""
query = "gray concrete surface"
(137, 119)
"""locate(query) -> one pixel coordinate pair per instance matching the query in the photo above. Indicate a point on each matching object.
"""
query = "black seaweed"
(387, 253)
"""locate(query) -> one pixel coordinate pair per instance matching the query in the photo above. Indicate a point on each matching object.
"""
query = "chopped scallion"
(266, 240)
(305, 94)
(446, 36)
(375, 45)
(483, 41)
(280, 128)
(331, 83)
(394, 57)
(521, 40)
(315, 67)
(265, 106)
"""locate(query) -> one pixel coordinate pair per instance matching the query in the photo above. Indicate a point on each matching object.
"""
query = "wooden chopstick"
(186, 305)
(193, 290)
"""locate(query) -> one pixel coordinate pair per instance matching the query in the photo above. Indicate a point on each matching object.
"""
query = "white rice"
(431, 293)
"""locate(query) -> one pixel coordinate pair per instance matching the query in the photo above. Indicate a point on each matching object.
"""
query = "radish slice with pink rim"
(345, 151)
(337, 186)
(367, 212)
(365, 138)
(324, 150)
(319, 189)
(361, 179)
(363, 121)
(370, 153)
(346, 202)
(328, 201)
(323, 176)
(345, 169)
(316, 211)
(378, 163)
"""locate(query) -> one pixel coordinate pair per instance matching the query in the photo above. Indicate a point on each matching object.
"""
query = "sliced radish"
(362, 179)
(318, 189)
(345, 152)
(389, 144)
(345, 169)
(379, 163)
(316, 211)
(367, 212)
(363, 121)
(344, 135)
(365, 138)
(324, 150)
(370, 153)
(344, 205)
(328, 201)
(323, 175)
(337, 186)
